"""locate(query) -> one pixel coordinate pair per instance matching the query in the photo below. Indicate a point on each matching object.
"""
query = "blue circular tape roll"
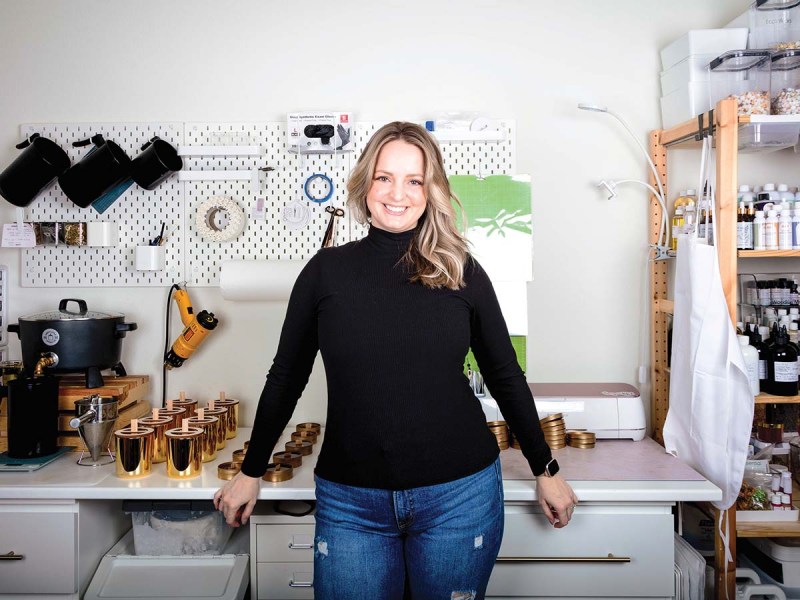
(314, 177)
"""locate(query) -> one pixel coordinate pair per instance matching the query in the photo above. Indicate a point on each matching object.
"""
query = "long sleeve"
(290, 370)
(498, 364)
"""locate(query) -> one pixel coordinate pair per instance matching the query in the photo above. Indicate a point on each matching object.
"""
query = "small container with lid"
(186, 403)
(185, 451)
(175, 413)
(221, 412)
(134, 451)
(775, 24)
(785, 83)
(210, 427)
(159, 424)
(745, 76)
(232, 418)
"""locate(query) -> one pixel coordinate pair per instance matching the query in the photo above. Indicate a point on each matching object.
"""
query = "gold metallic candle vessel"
(186, 403)
(176, 414)
(134, 454)
(305, 434)
(210, 427)
(232, 423)
(228, 470)
(238, 456)
(159, 425)
(315, 427)
(185, 452)
(222, 426)
(302, 447)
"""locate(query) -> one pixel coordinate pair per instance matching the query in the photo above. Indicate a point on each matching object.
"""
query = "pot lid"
(64, 314)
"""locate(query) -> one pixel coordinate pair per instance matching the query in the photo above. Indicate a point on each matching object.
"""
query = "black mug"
(32, 416)
(158, 160)
(102, 168)
(33, 171)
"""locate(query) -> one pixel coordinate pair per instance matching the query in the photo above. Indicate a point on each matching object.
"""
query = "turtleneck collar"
(389, 242)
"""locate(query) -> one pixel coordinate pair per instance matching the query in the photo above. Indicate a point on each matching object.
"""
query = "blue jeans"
(441, 541)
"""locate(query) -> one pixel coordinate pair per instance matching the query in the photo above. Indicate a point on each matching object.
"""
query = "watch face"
(552, 467)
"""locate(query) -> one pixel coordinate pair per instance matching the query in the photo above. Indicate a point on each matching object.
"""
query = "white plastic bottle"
(689, 217)
(771, 230)
(751, 363)
(745, 194)
(785, 228)
(784, 194)
(796, 227)
(774, 195)
(759, 231)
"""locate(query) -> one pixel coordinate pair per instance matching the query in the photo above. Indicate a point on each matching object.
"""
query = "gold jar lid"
(315, 427)
(277, 472)
(300, 447)
(140, 432)
(228, 470)
(238, 455)
(151, 422)
(288, 458)
(202, 420)
(215, 411)
(305, 434)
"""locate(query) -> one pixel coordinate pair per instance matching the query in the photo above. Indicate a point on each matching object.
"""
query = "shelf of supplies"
(767, 253)
(775, 529)
(765, 398)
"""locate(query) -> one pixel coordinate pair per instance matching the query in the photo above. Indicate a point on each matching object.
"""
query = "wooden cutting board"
(130, 391)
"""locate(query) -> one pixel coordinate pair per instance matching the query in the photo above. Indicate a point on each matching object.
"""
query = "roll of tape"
(207, 211)
(312, 179)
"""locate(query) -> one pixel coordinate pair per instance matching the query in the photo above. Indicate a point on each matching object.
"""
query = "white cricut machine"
(610, 410)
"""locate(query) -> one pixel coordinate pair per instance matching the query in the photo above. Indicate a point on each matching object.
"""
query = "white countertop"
(64, 479)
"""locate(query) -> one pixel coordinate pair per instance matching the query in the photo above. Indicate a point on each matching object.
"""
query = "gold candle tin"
(305, 434)
(176, 414)
(134, 456)
(186, 403)
(185, 452)
(159, 425)
(232, 423)
(288, 458)
(277, 473)
(228, 470)
(222, 429)
(315, 427)
(301, 447)
(210, 427)
(238, 456)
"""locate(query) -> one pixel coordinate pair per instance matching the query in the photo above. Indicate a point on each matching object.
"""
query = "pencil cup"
(150, 258)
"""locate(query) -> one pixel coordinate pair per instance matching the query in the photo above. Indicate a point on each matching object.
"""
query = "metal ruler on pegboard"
(189, 257)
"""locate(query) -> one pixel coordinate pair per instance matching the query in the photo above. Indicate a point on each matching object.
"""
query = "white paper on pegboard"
(140, 213)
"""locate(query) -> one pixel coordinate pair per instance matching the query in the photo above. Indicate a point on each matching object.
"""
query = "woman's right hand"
(237, 498)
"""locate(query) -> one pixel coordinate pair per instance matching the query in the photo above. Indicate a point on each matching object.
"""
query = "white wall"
(255, 60)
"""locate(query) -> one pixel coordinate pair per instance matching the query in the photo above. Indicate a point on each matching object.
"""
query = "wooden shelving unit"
(726, 125)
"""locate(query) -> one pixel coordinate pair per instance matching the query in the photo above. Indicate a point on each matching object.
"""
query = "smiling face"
(396, 198)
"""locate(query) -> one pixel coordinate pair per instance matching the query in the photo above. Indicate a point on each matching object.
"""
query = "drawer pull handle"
(293, 546)
(12, 556)
(301, 585)
(572, 559)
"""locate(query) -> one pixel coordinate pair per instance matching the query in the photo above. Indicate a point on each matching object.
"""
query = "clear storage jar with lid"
(745, 76)
(775, 24)
(785, 82)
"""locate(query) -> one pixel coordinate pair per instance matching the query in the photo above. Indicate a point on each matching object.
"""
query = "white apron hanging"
(710, 404)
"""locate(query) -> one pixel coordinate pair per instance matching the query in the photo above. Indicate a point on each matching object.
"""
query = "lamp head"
(592, 107)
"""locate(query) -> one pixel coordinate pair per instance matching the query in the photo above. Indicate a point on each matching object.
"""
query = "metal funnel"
(95, 421)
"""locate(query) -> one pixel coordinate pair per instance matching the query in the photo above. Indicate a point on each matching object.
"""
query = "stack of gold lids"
(581, 439)
(501, 432)
(554, 430)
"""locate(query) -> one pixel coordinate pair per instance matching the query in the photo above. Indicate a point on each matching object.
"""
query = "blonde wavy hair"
(438, 252)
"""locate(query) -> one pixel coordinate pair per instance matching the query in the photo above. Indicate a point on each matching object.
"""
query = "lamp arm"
(660, 198)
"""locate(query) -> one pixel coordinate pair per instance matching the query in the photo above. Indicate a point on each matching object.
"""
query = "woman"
(408, 478)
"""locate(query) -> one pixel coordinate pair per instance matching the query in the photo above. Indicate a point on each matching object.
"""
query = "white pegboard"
(190, 258)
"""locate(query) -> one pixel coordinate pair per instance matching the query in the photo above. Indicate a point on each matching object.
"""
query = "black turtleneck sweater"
(401, 413)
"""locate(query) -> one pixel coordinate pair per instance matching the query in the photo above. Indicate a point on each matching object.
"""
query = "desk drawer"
(285, 581)
(285, 543)
(599, 554)
(48, 543)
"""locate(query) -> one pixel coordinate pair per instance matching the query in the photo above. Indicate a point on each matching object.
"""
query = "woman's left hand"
(557, 499)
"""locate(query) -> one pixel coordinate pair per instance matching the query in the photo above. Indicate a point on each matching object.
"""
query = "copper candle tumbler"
(232, 421)
(159, 425)
(277, 472)
(222, 432)
(189, 405)
(210, 427)
(303, 447)
(228, 470)
(134, 450)
(288, 458)
(176, 414)
(185, 452)
(315, 427)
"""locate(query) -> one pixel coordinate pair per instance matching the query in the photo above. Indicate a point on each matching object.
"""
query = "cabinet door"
(597, 555)
(48, 544)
